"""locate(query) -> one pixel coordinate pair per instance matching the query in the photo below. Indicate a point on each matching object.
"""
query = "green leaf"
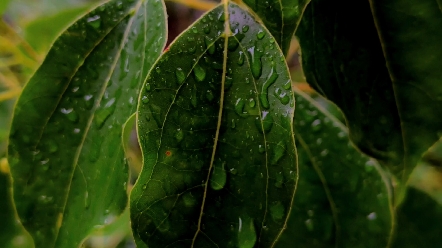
(389, 111)
(281, 17)
(65, 148)
(215, 127)
(419, 221)
(42, 32)
(12, 233)
(343, 197)
(414, 69)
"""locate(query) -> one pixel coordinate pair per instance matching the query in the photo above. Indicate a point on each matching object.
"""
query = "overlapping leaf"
(65, 145)
(281, 17)
(343, 198)
(390, 111)
(215, 127)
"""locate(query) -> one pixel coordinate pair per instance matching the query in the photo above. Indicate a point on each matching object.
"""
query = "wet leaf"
(419, 221)
(65, 148)
(281, 17)
(389, 111)
(343, 197)
(215, 128)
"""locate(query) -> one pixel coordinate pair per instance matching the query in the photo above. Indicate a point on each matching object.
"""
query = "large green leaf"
(411, 39)
(343, 197)
(281, 17)
(389, 111)
(419, 221)
(65, 148)
(215, 127)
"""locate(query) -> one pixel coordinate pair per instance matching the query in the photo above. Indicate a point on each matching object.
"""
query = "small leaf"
(65, 148)
(218, 171)
(281, 17)
(343, 197)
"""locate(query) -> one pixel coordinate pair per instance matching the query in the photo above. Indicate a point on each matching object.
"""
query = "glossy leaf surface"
(281, 17)
(413, 55)
(215, 127)
(389, 111)
(343, 199)
(419, 221)
(65, 148)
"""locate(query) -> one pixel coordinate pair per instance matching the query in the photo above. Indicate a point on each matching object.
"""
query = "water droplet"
(233, 125)
(261, 149)
(179, 135)
(241, 58)
(324, 153)
(239, 106)
(87, 200)
(145, 99)
(341, 135)
(260, 34)
(277, 211)
(218, 178)
(316, 125)
(372, 216)
(199, 72)
(209, 95)
(264, 96)
(221, 17)
(52, 146)
(282, 96)
(103, 114)
(256, 62)
(309, 224)
(245, 28)
(252, 102)
(94, 21)
(189, 200)
(70, 114)
(246, 232)
(279, 151)
(287, 85)
(265, 123)
(147, 87)
(232, 44)
(180, 76)
(209, 45)
(194, 30)
(206, 28)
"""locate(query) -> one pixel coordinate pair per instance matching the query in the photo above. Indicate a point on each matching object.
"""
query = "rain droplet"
(209, 45)
(265, 123)
(241, 58)
(232, 44)
(316, 125)
(277, 211)
(245, 28)
(218, 178)
(252, 102)
(260, 34)
(264, 96)
(282, 96)
(206, 28)
(233, 125)
(309, 224)
(261, 149)
(147, 87)
(256, 62)
(209, 95)
(239, 106)
(199, 72)
(145, 99)
(70, 114)
(179, 135)
(279, 151)
(246, 233)
(94, 21)
(287, 85)
(180, 76)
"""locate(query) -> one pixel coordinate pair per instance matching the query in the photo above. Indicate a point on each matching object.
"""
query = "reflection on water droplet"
(199, 72)
(264, 96)
(239, 106)
(218, 178)
(372, 216)
(246, 232)
(282, 96)
(180, 76)
(94, 21)
(241, 58)
(260, 34)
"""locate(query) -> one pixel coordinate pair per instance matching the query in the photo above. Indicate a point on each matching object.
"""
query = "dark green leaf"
(12, 233)
(419, 221)
(343, 197)
(65, 145)
(215, 127)
(281, 17)
(411, 38)
(389, 111)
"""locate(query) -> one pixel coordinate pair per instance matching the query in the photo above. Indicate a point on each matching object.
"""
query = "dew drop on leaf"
(246, 232)
(180, 76)
(94, 21)
(199, 72)
(256, 62)
(239, 106)
(218, 178)
(245, 28)
(260, 34)
(264, 96)
(241, 58)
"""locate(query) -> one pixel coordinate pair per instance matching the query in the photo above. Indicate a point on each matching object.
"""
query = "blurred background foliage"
(27, 30)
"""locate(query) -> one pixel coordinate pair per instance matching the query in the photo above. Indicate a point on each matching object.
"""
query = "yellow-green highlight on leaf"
(65, 147)
(219, 158)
